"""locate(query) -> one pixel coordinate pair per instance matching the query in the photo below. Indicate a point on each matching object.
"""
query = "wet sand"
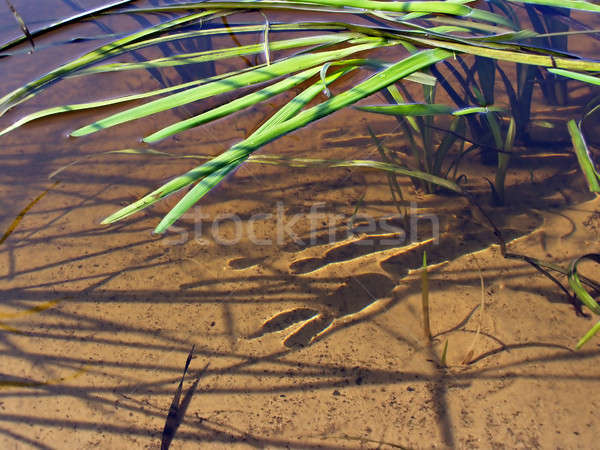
(303, 302)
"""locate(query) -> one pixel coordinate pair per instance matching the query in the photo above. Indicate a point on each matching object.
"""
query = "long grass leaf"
(409, 109)
(437, 7)
(350, 6)
(583, 295)
(230, 157)
(291, 121)
(221, 53)
(512, 56)
(583, 156)
(576, 76)
(476, 110)
(590, 334)
(236, 105)
(426, 109)
(237, 29)
(276, 69)
(211, 180)
(504, 160)
(103, 103)
(241, 6)
(576, 285)
(20, 94)
(195, 194)
(365, 164)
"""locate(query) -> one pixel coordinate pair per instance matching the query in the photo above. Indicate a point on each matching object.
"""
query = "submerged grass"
(425, 298)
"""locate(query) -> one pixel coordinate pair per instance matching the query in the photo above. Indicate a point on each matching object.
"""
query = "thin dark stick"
(21, 23)
(60, 23)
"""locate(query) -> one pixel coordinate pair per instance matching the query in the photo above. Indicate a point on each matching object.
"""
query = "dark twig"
(21, 23)
(73, 19)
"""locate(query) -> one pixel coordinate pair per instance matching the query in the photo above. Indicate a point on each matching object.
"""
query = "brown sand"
(297, 344)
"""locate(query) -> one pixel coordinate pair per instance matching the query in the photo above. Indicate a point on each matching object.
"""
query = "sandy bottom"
(306, 326)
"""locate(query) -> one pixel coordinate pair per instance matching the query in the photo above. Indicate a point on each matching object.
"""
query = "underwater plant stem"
(425, 298)
(503, 161)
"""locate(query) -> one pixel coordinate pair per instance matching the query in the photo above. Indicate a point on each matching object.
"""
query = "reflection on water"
(312, 301)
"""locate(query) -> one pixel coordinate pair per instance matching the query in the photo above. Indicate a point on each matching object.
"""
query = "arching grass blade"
(229, 158)
(21, 94)
(583, 156)
(576, 76)
(262, 74)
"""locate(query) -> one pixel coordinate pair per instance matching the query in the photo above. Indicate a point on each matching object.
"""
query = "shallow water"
(296, 286)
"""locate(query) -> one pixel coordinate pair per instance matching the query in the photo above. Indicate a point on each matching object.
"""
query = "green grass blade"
(399, 99)
(195, 194)
(426, 109)
(350, 6)
(487, 16)
(576, 285)
(475, 26)
(377, 165)
(378, 81)
(476, 110)
(438, 7)
(576, 76)
(21, 94)
(264, 5)
(237, 29)
(102, 103)
(583, 156)
(590, 334)
(408, 109)
(441, 7)
(281, 124)
(512, 56)
(583, 295)
(504, 160)
(457, 128)
(178, 183)
(222, 53)
(276, 69)
(231, 107)
(230, 157)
